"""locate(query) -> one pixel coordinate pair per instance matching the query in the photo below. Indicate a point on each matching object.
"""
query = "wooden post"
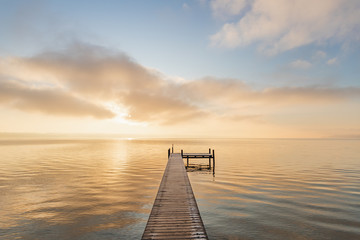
(187, 165)
(213, 156)
(209, 158)
(182, 153)
(172, 147)
(168, 152)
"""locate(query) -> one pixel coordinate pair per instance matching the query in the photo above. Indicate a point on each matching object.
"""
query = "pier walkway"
(175, 214)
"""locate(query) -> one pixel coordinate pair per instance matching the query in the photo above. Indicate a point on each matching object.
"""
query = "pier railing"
(188, 156)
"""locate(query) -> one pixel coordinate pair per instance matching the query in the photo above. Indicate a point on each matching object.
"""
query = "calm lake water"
(104, 189)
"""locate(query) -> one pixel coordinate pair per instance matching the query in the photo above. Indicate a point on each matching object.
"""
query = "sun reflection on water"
(91, 189)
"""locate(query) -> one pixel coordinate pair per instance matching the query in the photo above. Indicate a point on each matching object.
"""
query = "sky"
(201, 68)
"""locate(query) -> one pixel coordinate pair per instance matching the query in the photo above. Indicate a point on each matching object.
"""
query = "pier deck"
(199, 155)
(175, 214)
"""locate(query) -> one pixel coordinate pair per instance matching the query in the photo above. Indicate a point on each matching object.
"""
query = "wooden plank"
(197, 155)
(175, 214)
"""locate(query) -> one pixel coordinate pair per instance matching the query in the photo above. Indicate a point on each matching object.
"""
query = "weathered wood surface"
(175, 214)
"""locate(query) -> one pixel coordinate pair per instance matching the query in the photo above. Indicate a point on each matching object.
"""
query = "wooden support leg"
(213, 155)
(187, 162)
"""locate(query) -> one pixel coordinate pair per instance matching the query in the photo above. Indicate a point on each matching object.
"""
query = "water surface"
(104, 189)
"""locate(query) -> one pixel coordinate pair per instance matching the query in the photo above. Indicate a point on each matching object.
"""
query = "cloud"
(101, 75)
(49, 101)
(281, 25)
(308, 95)
(81, 79)
(332, 61)
(224, 8)
(300, 64)
(235, 92)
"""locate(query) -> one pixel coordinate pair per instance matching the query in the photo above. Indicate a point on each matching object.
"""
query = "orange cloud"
(96, 73)
(83, 78)
(49, 101)
(235, 91)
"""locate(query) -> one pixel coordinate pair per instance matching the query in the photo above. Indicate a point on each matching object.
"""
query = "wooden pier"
(200, 155)
(175, 214)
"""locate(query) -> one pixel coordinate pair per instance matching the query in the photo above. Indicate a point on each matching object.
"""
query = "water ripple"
(104, 189)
